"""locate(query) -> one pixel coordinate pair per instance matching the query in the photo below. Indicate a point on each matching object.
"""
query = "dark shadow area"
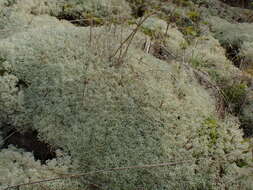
(232, 53)
(247, 130)
(80, 20)
(161, 52)
(29, 142)
(75, 19)
(247, 4)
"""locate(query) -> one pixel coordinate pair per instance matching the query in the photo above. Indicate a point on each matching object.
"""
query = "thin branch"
(109, 170)
(6, 138)
(130, 36)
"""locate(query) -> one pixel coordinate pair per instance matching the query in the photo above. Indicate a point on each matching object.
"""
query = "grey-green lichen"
(110, 110)
(107, 116)
(18, 166)
(231, 33)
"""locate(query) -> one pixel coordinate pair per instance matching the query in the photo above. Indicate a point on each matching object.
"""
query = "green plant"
(215, 75)
(235, 95)
(183, 45)
(210, 128)
(205, 22)
(193, 15)
(190, 30)
(154, 34)
(196, 62)
(93, 20)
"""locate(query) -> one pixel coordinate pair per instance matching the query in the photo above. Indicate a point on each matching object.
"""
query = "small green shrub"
(193, 15)
(190, 31)
(183, 45)
(153, 34)
(235, 95)
(210, 128)
(196, 62)
(215, 75)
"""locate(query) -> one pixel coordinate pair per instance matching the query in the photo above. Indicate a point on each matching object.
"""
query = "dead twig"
(6, 138)
(130, 37)
(109, 170)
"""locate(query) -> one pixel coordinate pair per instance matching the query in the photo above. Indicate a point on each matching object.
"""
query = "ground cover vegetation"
(126, 94)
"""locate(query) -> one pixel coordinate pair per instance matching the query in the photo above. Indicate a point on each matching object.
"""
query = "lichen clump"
(107, 104)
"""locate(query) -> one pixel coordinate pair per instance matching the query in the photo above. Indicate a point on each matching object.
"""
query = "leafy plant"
(196, 62)
(235, 95)
(194, 15)
(154, 34)
(183, 45)
(210, 128)
(190, 31)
